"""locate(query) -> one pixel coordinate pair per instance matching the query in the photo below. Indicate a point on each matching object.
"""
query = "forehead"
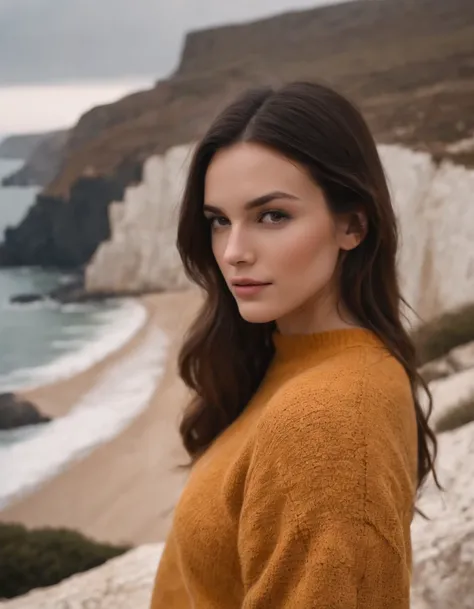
(247, 170)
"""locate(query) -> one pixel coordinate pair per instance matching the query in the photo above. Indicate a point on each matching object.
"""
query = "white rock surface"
(433, 204)
(436, 219)
(443, 547)
(141, 255)
(122, 583)
(443, 576)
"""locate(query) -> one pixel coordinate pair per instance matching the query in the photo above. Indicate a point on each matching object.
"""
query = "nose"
(238, 249)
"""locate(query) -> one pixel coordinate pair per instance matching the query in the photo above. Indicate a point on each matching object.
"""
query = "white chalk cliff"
(433, 205)
(141, 255)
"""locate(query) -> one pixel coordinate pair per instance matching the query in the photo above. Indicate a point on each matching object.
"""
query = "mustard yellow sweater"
(307, 499)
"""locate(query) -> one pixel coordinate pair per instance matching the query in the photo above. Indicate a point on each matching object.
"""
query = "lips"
(247, 282)
(248, 290)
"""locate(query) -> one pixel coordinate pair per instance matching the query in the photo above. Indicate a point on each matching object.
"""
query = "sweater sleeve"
(305, 539)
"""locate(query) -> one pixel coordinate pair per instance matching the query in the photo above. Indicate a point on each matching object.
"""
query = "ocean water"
(45, 341)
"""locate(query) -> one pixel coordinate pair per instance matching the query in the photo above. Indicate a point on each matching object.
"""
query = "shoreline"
(56, 398)
(124, 491)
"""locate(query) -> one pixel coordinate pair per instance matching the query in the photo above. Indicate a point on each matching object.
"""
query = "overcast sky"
(58, 58)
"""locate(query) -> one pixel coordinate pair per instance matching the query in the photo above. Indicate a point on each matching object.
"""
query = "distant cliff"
(59, 233)
(20, 146)
(409, 65)
(42, 164)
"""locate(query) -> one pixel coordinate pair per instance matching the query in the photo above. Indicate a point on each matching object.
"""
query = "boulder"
(26, 298)
(18, 412)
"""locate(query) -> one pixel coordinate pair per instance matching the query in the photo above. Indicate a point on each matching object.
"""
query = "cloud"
(51, 41)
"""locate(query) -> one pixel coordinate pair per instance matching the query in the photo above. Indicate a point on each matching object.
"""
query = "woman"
(306, 432)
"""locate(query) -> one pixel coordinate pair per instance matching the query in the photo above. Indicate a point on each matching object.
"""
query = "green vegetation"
(461, 415)
(450, 330)
(43, 557)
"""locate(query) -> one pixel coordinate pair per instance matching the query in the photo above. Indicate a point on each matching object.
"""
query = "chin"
(257, 314)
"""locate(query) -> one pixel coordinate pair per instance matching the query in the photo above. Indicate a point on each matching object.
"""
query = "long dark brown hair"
(224, 357)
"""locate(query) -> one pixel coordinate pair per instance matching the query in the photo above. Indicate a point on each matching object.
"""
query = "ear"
(352, 229)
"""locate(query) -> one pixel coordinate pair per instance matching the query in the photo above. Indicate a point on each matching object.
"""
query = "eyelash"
(282, 216)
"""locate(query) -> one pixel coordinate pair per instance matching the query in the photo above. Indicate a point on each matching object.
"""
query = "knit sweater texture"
(306, 500)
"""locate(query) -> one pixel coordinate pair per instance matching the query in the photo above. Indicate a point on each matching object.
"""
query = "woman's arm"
(308, 532)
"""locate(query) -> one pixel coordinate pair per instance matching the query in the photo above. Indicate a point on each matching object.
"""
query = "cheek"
(218, 250)
(309, 250)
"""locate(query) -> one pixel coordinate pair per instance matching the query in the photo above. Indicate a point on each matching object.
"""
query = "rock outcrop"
(21, 146)
(141, 254)
(436, 220)
(42, 164)
(62, 233)
(17, 412)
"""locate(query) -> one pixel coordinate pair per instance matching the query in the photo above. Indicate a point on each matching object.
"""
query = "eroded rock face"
(42, 163)
(141, 254)
(59, 233)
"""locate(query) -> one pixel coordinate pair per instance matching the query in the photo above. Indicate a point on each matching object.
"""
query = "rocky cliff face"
(42, 164)
(21, 146)
(410, 66)
(62, 233)
(141, 254)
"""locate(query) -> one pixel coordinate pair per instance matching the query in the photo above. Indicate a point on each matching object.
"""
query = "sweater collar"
(292, 347)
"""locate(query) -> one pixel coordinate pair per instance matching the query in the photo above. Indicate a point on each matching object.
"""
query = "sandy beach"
(125, 490)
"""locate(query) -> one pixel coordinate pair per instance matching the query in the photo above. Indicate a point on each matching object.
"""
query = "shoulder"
(344, 439)
(342, 408)
(337, 388)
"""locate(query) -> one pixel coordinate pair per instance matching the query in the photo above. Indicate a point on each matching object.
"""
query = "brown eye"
(217, 221)
(273, 217)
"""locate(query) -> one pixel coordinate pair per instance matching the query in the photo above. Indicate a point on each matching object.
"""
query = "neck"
(325, 315)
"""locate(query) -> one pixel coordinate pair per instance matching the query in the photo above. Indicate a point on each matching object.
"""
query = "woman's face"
(271, 225)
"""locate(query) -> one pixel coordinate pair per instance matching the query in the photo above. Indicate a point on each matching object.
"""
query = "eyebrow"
(258, 201)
